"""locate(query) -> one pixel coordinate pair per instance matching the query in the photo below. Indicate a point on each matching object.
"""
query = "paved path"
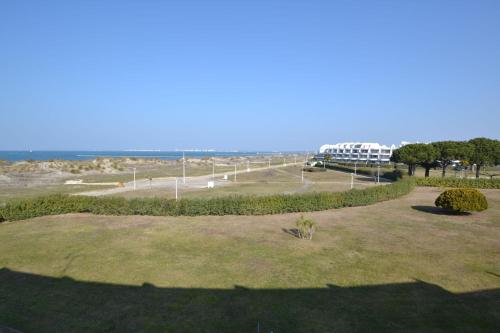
(169, 182)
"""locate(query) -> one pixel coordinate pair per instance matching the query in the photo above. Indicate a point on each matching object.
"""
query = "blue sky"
(250, 75)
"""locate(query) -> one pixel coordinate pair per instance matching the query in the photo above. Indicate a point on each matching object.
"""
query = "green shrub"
(313, 169)
(305, 228)
(393, 174)
(458, 182)
(462, 200)
(228, 205)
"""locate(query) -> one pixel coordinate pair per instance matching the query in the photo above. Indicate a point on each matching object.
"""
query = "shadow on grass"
(438, 211)
(369, 179)
(35, 303)
(494, 274)
(294, 232)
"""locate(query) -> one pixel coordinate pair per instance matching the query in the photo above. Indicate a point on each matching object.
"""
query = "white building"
(357, 152)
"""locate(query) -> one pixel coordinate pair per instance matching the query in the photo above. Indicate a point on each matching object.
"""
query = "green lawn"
(399, 265)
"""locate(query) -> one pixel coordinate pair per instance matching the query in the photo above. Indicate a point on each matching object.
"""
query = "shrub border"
(227, 205)
(396, 174)
(458, 182)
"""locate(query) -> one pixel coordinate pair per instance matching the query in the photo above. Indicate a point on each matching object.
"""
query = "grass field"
(11, 192)
(282, 180)
(31, 185)
(399, 265)
(268, 181)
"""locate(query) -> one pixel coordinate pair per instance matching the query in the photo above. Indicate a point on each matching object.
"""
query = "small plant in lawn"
(461, 200)
(305, 227)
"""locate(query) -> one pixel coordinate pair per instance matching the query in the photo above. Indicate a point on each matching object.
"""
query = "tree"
(427, 157)
(416, 154)
(485, 152)
(449, 151)
(405, 155)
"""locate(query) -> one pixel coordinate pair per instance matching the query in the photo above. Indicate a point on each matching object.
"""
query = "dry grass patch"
(376, 267)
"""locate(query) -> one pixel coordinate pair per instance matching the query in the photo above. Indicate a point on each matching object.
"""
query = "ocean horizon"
(70, 155)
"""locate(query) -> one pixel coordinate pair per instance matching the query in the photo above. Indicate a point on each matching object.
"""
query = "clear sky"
(249, 75)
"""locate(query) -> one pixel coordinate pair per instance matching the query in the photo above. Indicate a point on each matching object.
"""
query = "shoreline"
(12, 156)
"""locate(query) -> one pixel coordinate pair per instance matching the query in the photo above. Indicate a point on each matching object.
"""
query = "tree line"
(479, 151)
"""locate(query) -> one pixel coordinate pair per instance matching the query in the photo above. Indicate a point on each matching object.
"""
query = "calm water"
(89, 155)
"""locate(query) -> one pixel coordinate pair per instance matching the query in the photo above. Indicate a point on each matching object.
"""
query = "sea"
(45, 155)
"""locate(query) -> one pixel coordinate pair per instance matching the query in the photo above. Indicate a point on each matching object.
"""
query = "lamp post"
(352, 180)
(134, 180)
(176, 188)
(378, 174)
(183, 168)
(235, 173)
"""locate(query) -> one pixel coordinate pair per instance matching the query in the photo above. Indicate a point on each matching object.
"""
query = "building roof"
(356, 145)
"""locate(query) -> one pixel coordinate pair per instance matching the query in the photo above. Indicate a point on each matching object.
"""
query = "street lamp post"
(183, 168)
(134, 180)
(235, 173)
(176, 189)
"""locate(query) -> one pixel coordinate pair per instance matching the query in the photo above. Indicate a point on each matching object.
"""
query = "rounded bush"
(462, 200)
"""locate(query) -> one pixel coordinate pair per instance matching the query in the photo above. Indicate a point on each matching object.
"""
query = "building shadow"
(35, 303)
(438, 211)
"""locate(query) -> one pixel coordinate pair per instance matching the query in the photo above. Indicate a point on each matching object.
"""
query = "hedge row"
(457, 182)
(428, 181)
(393, 174)
(230, 205)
